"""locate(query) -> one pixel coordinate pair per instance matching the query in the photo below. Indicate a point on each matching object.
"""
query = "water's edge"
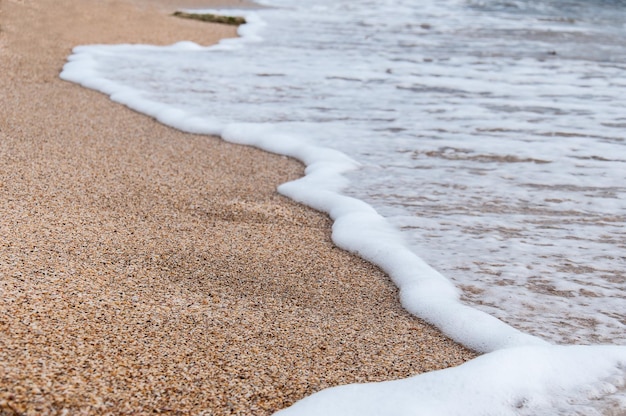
(359, 229)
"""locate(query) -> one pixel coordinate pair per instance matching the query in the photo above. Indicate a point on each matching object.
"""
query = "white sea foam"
(535, 381)
(503, 164)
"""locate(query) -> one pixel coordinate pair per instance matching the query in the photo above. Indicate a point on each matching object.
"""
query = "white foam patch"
(519, 381)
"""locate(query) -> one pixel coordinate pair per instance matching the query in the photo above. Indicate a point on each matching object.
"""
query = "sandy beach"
(145, 270)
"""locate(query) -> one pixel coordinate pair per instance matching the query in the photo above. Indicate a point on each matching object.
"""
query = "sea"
(488, 135)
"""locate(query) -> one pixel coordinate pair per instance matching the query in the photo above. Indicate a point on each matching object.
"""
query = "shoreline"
(148, 269)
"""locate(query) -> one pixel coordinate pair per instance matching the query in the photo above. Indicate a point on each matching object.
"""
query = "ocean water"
(474, 150)
(492, 133)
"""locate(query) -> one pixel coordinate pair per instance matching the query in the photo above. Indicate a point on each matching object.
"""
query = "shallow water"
(491, 132)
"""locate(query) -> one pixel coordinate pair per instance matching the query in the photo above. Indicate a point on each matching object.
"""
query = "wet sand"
(145, 270)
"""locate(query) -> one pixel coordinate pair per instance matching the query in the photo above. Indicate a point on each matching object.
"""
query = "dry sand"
(144, 270)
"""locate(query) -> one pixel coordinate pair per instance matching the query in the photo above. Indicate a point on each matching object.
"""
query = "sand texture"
(144, 270)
